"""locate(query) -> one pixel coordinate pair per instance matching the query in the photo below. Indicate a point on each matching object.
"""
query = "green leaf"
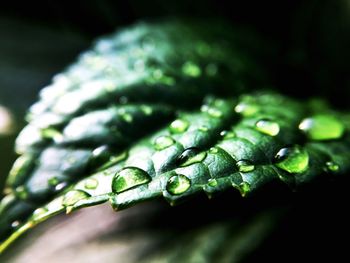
(128, 85)
(154, 112)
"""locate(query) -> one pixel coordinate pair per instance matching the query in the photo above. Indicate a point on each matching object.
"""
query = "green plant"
(164, 110)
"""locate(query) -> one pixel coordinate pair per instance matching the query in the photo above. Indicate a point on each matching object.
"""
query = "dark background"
(311, 56)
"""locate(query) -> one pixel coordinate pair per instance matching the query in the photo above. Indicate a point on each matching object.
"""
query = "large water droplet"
(178, 184)
(91, 183)
(322, 127)
(190, 156)
(331, 167)
(292, 159)
(191, 69)
(163, 142)
(128, 178)
(245, 166)
(179, 126)
(72, 197)
(267, 127)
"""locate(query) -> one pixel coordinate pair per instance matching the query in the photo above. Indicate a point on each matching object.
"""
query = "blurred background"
(310, 41)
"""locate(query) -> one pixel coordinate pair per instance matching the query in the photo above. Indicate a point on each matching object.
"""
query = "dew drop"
(128, 178)
(179, 126)
(73, 196)
(190, 156)
(331, 167)
(178, 184)
(203, 128)
(292, 159)
(147, 110)
(212, 182)
(244, 188)
(227, 135)
(322, 127)
(191, 69)
(60, 186)
(127, 117)
(99, 151)
(246, 108)
(214, 112)
(163, 142)
(91, 183)
(245, 166)
(267, 127)
(213, 150)
(39, 213)
(15, 224)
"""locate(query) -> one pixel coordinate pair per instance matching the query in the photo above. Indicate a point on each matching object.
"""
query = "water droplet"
(91, 183)
(322, 127)
(190, 156)
(51, 133)
(100, 151)
(15, 224)
(244, 188)
(191, 69)
(127, 117)
(21, 192)
(212, 182)
(331, 167)
(39, 213)
(147, 110)
(245, 166)
(128, 178)
(213, 150)
(227, 134)
(163, 142)
(179, 126)
(72, 197)
(203, 128)
(60, 186)
(178, 184)
(267, 127)
(246, 108)
(214, 112)
(292, 159)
